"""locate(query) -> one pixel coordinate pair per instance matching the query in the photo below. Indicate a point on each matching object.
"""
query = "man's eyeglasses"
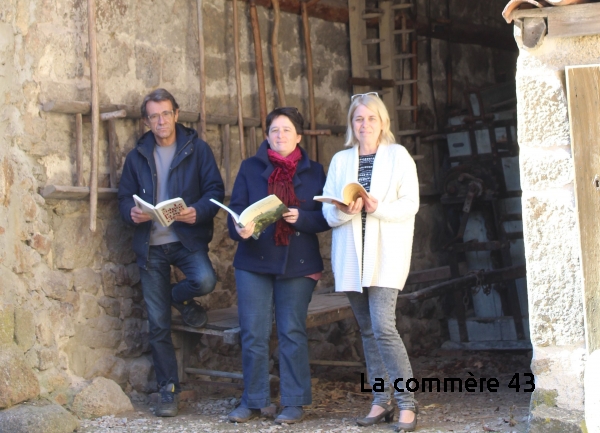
(353, 97)
(167, 115)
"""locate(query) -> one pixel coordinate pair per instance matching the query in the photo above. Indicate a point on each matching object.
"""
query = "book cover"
(349, 193)
(164, 212)
(264, 213)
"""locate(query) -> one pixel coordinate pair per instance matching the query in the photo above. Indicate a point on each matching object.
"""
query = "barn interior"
(445, 70)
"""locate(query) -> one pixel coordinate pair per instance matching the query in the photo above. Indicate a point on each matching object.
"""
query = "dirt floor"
(338, 401)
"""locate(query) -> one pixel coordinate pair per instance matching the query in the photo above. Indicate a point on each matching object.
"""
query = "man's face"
(161, 120)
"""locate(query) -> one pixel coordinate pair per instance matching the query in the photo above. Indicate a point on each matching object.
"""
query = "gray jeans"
(375, 312)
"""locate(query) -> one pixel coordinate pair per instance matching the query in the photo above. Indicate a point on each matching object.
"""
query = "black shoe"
(388, 414)
(192, 313)
(169, 401)
(408, 426)
(243, 414)
(290, 415)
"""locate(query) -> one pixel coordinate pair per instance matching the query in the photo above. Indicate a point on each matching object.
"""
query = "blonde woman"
(371, 248)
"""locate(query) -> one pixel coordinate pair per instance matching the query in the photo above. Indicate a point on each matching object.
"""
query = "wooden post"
(79, 149)
(202, 120)
(275, 54)
(238, 78)
(311, 94)
(95, 114)
(260, 75)
(112, 152)
(252, 140)
(415, 73)
(227, 157)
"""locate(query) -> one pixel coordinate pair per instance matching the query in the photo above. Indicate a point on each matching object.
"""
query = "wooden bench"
(322, 310)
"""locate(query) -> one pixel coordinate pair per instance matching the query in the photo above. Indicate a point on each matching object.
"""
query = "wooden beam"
(57, 192)
(327, 10)
(566, 21)
(583, 95)
(95, 113)
(133, 112)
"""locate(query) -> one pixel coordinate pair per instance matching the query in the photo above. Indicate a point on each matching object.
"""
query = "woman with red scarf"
(280, 268)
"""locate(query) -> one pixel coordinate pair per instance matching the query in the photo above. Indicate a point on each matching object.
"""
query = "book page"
(264, 213)
(235, 216)
(352, 191)
(169, 209)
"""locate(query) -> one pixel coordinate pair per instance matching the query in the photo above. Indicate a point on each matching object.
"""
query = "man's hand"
(371, 204)
(291, 217)
(245, 232)
(187, 215)
(353, 208)
(138, 216)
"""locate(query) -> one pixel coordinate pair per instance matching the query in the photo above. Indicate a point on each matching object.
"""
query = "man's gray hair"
(158, 95)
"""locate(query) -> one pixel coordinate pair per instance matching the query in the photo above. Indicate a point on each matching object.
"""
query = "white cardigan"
(388, 231)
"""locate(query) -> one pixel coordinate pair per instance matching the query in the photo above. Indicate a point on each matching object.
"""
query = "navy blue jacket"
(301, 257)
(193, 176)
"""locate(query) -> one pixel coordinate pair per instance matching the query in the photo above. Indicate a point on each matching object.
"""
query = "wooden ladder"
(390, 53)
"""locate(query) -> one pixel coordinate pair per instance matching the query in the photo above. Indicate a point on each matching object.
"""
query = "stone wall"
(552, 248)
(71, 306)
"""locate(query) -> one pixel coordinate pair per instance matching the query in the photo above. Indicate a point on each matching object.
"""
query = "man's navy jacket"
(193, 176)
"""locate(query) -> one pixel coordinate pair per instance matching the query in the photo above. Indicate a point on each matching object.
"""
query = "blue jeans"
(375, 312)
(257, 293)
(159, 293)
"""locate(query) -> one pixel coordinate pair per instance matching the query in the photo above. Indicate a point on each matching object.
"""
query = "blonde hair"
(376, 105)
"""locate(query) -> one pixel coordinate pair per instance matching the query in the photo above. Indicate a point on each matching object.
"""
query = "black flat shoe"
(408, 426)
(388, 414)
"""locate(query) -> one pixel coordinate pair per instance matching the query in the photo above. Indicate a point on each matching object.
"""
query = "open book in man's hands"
(264, 213)
(349, 193)
(164, 212)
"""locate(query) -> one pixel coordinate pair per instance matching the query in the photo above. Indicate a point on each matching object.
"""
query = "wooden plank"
(59, 192)
(95, 112)
(575, 20)
(358, 32)
(79, 149)
(386, 55)
(583, 94)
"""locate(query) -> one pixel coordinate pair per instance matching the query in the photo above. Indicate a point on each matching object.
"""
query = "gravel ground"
(337, 402)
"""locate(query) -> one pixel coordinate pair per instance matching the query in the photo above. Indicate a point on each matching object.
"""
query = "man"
(170, 161)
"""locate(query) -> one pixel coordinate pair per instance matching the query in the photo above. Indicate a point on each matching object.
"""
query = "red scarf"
(281, 184)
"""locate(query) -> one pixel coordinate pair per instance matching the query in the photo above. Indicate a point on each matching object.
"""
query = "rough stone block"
(111, 367)
(74, 244)
(591, 380)
(41, 418)
(100, 332)
(553, 268)
(89, 306)
(24, 329)
(544, 419)
(7, 323)
(544, 169)
(17, 381)
(543, 118)
(111, 306)
(55, 284)
(140, 370)
(87, 280)
(102, 397)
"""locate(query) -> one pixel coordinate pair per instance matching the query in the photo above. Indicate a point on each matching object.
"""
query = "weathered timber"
(260, 75)
(275, 54)
(133, 112)
(371, 82)
(79, 149)
(313, 152)
(575, 20)
(469, 280)
(583, 95)
(434, 274)
(238, 77)
(95, 112)
(113, 143)
(311, 132)
(58, 192)
(109, 115)
(201, 72)
(533, 32)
